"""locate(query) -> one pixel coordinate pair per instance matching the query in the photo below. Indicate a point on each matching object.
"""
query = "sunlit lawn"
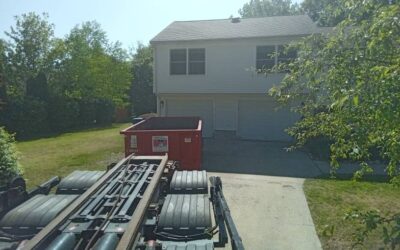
(86, 150)
(329, 200)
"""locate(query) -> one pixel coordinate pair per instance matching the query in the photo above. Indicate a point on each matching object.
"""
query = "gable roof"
(245, 28)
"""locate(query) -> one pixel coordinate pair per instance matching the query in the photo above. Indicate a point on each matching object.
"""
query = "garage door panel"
(260, 120)
(202, 108)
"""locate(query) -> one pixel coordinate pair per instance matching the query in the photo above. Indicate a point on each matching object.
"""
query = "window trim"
(187, 62)
(178, 62)
(196, 61)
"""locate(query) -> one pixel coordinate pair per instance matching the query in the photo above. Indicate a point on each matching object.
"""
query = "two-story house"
(209, 69)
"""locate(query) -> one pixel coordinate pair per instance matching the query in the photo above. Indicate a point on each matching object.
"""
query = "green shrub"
(96, 112)
(105, 111)
(63, 114)
(87, 113)
(9, 166)
(318, 147)
(26, 118)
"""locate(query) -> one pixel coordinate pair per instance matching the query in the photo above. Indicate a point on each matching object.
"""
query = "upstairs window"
(178, 59)
(265, 57)
(197, 61)
(187, 61)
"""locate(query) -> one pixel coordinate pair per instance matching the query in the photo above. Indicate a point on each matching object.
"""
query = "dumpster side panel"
(182, 146)
(190, 146)
(177, 136)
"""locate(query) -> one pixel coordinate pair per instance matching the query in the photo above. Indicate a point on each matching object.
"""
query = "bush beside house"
(9, 167)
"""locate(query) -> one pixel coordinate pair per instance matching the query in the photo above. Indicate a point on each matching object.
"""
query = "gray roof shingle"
(246, 28)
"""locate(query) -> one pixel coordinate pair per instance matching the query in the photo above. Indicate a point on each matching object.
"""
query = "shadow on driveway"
(232, 155)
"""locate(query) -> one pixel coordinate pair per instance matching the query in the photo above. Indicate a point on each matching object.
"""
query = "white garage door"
(259, 120)
(202, 108)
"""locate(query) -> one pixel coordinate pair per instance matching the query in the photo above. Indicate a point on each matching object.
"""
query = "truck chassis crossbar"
(114, 206)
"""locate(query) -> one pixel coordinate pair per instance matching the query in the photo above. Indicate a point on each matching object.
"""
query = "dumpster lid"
(166, 123)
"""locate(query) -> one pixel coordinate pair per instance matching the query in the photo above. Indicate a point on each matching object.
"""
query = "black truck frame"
(143, 202)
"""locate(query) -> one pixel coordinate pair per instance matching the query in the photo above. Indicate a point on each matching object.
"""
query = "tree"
(2, 72)
(325, 12)
(84, 75)
(347, 83)
(92, 68)
(265, 8)
(25, 59)
(90, 77)
(27, 51)
(143, 99)
(9, 167)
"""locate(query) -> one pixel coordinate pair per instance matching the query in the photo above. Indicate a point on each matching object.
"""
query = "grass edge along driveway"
(329, 200)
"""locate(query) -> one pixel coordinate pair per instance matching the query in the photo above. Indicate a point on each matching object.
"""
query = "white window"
(197, 61)
(178, 59)
(187, 61)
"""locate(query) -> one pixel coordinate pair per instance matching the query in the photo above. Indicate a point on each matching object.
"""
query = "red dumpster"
(180, 137)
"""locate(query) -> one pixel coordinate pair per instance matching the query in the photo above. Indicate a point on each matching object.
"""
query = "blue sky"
(128, 21)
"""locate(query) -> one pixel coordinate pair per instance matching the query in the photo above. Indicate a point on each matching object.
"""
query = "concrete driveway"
(268, 205)
(228, 154)
(270, 212)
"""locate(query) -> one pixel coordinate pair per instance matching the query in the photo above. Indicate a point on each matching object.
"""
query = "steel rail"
(133, 227)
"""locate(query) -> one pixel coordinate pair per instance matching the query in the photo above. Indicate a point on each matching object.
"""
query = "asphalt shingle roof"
(246, 28)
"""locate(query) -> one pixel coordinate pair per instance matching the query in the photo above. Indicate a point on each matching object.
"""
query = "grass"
(91, 149)
(329, 200)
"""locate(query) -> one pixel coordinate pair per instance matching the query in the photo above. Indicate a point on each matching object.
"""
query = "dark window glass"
(197, 61)
(178, 68)
(265, 57)
(177, 62)
(196, 68)
(197, 54)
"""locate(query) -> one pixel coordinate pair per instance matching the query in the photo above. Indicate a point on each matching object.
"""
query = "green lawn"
(329, 200)
(90, 150)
